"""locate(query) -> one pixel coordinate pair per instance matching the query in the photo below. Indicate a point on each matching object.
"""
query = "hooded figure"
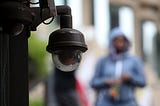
(118, 74)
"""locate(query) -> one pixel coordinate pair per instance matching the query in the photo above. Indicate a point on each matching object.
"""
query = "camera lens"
(67, 60)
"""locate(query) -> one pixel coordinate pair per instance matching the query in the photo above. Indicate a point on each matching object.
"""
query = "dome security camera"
(66, 46)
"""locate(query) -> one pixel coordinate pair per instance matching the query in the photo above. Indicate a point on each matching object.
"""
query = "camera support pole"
(14, 57)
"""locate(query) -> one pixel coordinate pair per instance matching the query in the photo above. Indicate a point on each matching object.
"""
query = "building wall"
(144, 10)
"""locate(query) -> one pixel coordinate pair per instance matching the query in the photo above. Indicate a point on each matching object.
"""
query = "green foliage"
(37, 102)
(37, 52)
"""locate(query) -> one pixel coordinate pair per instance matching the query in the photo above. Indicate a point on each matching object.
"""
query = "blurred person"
(82, 94)
(65, 88)
(68, 90)
(118, 74)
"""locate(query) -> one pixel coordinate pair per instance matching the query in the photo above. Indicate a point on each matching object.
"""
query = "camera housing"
(67, 46)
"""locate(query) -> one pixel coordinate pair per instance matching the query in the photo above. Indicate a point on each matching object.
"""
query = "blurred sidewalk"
(149, 96)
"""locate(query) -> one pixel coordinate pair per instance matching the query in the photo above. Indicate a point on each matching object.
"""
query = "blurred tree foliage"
(37, 102)
(37, 57)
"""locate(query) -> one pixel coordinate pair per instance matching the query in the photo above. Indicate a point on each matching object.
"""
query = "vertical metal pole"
(4, 69)
(14, 69)
(18, 77)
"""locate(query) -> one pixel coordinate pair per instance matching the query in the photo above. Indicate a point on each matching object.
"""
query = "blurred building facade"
(140, 20)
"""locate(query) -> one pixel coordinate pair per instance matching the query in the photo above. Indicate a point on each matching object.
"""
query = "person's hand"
(115, 87)
(113, 82)
(113, 92)
(125, 77)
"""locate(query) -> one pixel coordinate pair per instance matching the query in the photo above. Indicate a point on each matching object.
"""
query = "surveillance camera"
(66, 46)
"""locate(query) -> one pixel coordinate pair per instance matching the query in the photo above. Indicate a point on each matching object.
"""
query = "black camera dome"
(66, 38)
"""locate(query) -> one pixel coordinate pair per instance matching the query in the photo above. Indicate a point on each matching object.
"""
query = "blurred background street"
(139, 19)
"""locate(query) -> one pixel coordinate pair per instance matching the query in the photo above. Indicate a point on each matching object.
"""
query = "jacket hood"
(115, 33)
